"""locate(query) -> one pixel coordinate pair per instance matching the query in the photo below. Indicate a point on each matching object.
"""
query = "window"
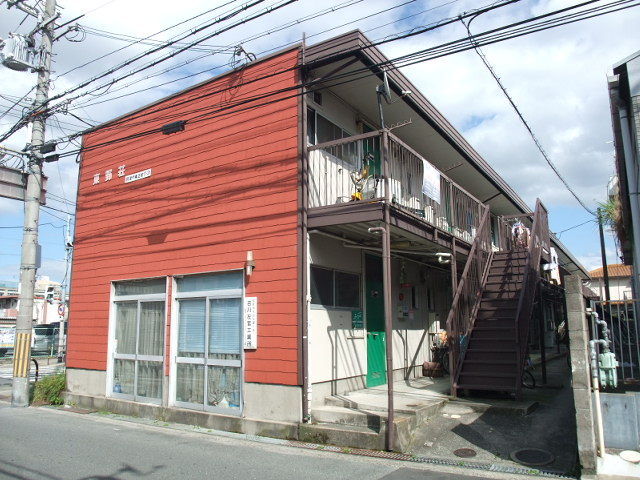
(138, 347)
(333, 288)
(320, 129)
(209, 350)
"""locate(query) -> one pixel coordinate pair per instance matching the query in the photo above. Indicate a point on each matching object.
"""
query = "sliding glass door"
(209, 344)
(138, 343)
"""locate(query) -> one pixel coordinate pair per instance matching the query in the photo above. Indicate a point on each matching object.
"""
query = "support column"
(581, 384)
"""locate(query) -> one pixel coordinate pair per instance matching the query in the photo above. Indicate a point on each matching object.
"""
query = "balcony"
(351, 170)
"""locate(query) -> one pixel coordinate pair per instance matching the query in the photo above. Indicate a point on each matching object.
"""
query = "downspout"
(632, 178)
(304, 253)
(595, 385)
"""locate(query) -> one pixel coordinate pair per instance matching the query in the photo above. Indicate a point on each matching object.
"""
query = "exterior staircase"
(488, 324)
(491, 358)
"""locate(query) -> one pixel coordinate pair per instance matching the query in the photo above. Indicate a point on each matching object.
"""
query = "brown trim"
(303, 342)
(353, 212)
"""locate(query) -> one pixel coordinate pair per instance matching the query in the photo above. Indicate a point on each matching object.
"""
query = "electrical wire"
(510, 99)
(253, 38)
(415, 57)
(227, 16)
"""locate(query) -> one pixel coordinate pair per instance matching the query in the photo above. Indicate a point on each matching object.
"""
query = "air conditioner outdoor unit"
(18, 53)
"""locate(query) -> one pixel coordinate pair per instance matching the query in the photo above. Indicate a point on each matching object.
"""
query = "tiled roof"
(615, 270)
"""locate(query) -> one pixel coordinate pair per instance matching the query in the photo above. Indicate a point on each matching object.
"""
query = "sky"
(558, 79)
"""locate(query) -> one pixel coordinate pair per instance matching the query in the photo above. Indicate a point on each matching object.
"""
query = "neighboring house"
(624, 93)
(46, 301)
(620, 280)
(224, 260)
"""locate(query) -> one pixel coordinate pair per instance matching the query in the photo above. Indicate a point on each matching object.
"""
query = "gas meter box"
(608, 372)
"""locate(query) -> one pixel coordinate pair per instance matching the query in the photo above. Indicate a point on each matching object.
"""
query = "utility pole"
(68, 246)
(603, 253)
(28, 266)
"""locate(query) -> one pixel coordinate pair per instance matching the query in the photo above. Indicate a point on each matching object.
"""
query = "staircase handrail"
(477, 265)
(539, 238)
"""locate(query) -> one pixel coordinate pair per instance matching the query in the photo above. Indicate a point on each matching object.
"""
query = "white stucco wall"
(619, 287)
(338, 352)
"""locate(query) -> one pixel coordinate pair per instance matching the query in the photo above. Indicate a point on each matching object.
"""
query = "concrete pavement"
(49, 444)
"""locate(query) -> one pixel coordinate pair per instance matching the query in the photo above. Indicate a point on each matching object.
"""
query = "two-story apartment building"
(228, 247)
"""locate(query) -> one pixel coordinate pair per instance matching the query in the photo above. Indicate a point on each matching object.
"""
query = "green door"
(376, 346)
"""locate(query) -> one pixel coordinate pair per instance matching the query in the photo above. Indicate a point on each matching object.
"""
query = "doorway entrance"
(376, 341)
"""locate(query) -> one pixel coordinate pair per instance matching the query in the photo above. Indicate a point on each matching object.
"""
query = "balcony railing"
(351, 170)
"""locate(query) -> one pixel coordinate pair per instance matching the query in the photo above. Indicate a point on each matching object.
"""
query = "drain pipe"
(595, 385)
(388, 327)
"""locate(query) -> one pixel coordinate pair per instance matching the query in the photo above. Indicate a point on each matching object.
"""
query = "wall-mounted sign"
(137, 176)
(250, 323)
(357, 320)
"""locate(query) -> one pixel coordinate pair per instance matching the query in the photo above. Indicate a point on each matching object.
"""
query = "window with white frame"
(138, 339)
(208, 370)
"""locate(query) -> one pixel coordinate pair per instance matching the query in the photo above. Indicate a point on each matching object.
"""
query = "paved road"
(41, 444)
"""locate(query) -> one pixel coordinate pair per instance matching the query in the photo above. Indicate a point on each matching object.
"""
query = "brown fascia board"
(192, 87)
(356, 43)
(613, 84)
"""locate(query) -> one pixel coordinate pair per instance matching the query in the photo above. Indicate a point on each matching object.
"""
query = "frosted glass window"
(223, 387)
(126, 326)
(141, 287)
(219, 281)
(123, 376)
(149, 379)
(190, 383)
(191, 328)
(225, 317)
(151, 334)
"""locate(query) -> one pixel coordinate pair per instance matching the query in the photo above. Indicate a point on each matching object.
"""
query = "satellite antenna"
(383, 91)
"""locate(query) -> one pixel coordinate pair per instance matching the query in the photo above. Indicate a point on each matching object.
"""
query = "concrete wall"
(86, 382)
(279, 403)
(621, 420)
(338, 354)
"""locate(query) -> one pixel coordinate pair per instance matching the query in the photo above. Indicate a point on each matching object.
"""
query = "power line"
(232, 14)
(415, 57)
(573, 227)
(146, 38)
(432, 26)
(485, 61)
(250, 39)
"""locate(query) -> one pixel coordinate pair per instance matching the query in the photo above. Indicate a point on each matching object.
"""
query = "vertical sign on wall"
(250, 323)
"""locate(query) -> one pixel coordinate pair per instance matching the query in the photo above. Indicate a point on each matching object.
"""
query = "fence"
(350, 169)
(621, 317)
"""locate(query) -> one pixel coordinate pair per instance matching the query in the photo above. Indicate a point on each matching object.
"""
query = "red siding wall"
(223, 186)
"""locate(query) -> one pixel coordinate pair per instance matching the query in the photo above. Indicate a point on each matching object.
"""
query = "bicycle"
(528, 380)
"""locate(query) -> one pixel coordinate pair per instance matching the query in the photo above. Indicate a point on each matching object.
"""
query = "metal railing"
(350, 169)
(468, 296)
(538, 239)
(622, 319)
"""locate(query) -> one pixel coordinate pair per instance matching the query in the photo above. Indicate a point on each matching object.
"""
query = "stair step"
(501, 295)
(508, 262)
(496, 287)
(488, 368)
(495, 322)
(491, 328)
(481, 342)
(348, 416)
(487, 386)
(492, 350)
(499, 303)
